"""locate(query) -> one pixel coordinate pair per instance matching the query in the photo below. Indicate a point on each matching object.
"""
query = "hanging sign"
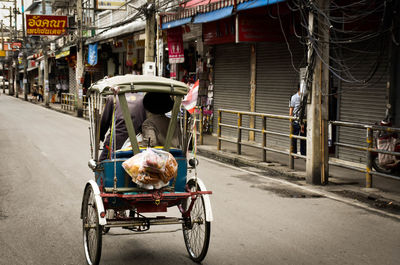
(258, 29)
(219, 32)
(175, 45)
(92, 54)
(12, 46)
(111, 4)
(46, 25)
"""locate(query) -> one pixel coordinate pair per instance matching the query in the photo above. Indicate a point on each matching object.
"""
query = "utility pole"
(79, 61)
(317, 170)
(24, 51)
(46, 85)
(150, 32)
(10, 71)
(15, 58)
(2, 48)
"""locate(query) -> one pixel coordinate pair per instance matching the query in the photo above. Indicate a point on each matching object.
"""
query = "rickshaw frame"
(133, 198)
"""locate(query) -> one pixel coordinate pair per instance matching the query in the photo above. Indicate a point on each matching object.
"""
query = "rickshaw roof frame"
(139, 83)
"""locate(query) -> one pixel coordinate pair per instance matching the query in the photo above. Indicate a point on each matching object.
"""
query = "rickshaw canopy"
(139, 83)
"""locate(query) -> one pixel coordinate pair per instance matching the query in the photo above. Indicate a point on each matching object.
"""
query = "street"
(257, 220)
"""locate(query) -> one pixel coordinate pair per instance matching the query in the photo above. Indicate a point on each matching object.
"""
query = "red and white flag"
(190, 100)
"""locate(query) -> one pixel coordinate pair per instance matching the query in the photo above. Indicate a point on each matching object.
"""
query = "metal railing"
(264, 132)
(68, 101)
(370, 148)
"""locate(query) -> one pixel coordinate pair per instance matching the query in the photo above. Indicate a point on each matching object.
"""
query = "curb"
(372, 197)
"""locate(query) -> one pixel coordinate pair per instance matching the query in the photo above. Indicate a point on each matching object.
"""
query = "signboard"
(12, 46)
(92, 54)
(63, 53)
(111, 4)
(258, 29)
(175, 45)
(2, 53)
(46, 25)
(220, 31)
(249, 29)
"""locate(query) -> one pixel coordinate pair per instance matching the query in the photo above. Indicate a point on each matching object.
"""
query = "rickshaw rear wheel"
(197, 235)
(92, 231)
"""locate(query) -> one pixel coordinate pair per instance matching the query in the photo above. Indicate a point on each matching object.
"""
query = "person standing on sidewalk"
(298, 129)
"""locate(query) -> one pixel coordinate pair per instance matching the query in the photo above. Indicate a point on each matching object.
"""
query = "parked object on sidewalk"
(114, 200)
(5, 83)
(386, 141)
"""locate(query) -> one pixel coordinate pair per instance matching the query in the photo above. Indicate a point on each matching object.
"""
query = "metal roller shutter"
(276, 83)
(361, 104)
(231, 83)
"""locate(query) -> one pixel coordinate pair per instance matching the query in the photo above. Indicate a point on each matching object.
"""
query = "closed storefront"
(232, 83)
(276, 82)
(361, 103)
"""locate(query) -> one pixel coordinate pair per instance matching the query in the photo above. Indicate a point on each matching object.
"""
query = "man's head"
(158, 103)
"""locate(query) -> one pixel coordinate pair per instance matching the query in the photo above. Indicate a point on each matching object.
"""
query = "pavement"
(346, 183)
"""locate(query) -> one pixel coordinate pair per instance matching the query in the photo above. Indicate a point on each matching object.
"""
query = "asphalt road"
(257, 220)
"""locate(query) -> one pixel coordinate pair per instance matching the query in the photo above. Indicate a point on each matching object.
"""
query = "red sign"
(258, 29)
(175, 45)
(220, 31)
(46, 25)
(12, 46)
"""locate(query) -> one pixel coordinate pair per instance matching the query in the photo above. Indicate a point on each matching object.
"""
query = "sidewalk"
(344, 182)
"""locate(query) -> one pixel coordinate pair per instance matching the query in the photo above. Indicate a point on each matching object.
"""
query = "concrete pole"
(253, 70)
(79, 62)
(2, 48)
(10, 69)
(317, 170)
(25, 79)
(16, 60)
(46, 84)
(150, 33)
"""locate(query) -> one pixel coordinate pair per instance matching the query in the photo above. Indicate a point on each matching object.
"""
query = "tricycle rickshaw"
(113, 200)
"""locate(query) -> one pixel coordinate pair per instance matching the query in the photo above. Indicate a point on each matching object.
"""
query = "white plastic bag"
(386, 144)
(151, 168)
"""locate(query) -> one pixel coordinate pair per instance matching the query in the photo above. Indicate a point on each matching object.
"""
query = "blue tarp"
(213, 15)
(256, 3)
(176, 23)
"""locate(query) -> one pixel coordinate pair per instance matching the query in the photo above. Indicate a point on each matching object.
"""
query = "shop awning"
(118, 31)
(64, 52)
(213, 15)
(256, 3)
(176, 23)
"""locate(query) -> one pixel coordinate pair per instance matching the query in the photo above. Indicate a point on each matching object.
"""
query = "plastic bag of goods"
(387, 144)
(152, 168)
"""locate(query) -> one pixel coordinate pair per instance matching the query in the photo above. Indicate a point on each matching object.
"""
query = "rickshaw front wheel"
(92, 231)
(197, 234)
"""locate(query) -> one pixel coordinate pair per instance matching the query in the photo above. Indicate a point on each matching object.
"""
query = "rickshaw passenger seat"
(128, 153)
